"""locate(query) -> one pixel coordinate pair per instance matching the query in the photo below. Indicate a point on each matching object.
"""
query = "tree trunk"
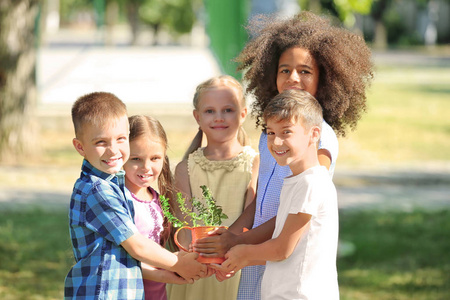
(18, 93)
(379, 8)
(133, 20)
(380, 38)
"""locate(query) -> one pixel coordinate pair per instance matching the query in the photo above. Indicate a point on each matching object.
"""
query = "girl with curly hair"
(309, 53)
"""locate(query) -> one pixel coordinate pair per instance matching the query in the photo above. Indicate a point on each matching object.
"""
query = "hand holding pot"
(216, 243)
(199, 233)
(188, 267)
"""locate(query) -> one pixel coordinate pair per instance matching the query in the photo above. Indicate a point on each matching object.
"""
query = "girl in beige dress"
(227, 165)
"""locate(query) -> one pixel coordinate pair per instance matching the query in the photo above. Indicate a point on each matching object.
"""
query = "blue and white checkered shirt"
(101, 218)
(270, 181)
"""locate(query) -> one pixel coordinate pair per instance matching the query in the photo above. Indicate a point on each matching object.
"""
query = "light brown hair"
(296, 105)
(150, 128)
(96, 109)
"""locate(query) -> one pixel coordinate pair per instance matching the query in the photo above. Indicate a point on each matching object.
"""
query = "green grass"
(398, 255)
(406, 121)
(35, 254)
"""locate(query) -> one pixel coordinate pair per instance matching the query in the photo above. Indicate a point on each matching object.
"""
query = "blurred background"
(393, 171)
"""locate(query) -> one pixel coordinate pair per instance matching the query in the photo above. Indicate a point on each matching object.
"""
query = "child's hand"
(220, 272)
(210, 272)
(170, 277)
(218, 242)
(235, 260)
(161, 275)
(189, 268)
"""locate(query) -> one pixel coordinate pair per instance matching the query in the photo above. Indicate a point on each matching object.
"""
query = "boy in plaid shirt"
(106, 244)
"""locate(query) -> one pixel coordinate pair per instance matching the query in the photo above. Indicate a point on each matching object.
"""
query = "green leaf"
(210, 214)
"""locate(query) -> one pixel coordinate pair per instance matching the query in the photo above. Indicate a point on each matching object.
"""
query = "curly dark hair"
(343, 58)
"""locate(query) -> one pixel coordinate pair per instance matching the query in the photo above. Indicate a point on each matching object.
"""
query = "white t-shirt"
(310, 272)
(328, 141)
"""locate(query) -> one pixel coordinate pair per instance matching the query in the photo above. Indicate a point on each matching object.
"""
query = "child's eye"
(209, 111)
(228, 110)
(156, 158)
(284, 71)
(122, 138)
(100, 143)
(286, 132)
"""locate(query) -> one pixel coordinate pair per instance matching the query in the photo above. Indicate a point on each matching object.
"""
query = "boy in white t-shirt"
(301, 256)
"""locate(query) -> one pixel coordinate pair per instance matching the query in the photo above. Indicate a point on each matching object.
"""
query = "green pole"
(225, 27)
(100, 7)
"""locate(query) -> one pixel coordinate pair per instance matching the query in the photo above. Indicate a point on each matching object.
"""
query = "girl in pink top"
(148, 164)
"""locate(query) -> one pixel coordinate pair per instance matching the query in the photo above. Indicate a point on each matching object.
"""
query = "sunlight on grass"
(398, 255)
(406, 122)
(36, 245)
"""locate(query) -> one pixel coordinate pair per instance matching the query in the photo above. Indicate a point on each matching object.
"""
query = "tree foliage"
(176, 15)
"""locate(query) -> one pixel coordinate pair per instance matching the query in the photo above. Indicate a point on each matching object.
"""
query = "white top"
(328, 141)
(310, 272)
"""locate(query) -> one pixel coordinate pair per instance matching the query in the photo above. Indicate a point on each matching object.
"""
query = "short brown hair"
(95, 109)
(296, 105)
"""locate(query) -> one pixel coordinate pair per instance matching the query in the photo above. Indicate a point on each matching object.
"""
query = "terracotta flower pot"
(198, 233)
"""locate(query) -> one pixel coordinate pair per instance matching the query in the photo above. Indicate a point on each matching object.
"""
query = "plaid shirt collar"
(118, 178)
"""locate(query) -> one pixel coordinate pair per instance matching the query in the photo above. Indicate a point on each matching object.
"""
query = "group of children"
(309, 80)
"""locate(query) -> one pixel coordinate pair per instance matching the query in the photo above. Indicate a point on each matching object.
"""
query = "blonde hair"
(96, 109)
(296, 105)
(151, 128)
(223, 80)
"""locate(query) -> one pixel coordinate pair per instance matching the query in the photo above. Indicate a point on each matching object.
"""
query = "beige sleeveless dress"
(228, 181)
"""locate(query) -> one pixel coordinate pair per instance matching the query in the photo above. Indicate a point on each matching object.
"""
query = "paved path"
(357, 190)
(393, 190)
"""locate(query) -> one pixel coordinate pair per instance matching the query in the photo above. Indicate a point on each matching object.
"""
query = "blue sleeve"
(108, 214)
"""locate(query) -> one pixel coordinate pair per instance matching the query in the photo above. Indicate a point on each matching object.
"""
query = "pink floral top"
(148, 216)
(149, 219)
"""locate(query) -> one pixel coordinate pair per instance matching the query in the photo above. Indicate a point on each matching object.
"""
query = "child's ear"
(244, 112)
(315, 134)
(196, 116)
(78, 146)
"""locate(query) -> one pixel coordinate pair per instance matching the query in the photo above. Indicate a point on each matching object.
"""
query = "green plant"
(210, 214)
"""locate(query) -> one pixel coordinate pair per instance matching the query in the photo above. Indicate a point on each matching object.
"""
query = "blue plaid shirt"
(101, 217)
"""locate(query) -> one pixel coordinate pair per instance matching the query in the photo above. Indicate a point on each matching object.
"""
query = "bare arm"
(276, 249)
(160, 275)
(221, 240)
(182, 185)
(151, 253)
(182, 179)
(245, 220)
(324, 158)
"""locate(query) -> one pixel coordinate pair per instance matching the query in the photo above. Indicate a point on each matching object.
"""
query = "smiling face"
(106, 147)
(297, 69)
(145, 163)
(220, 114)
(291, 144)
